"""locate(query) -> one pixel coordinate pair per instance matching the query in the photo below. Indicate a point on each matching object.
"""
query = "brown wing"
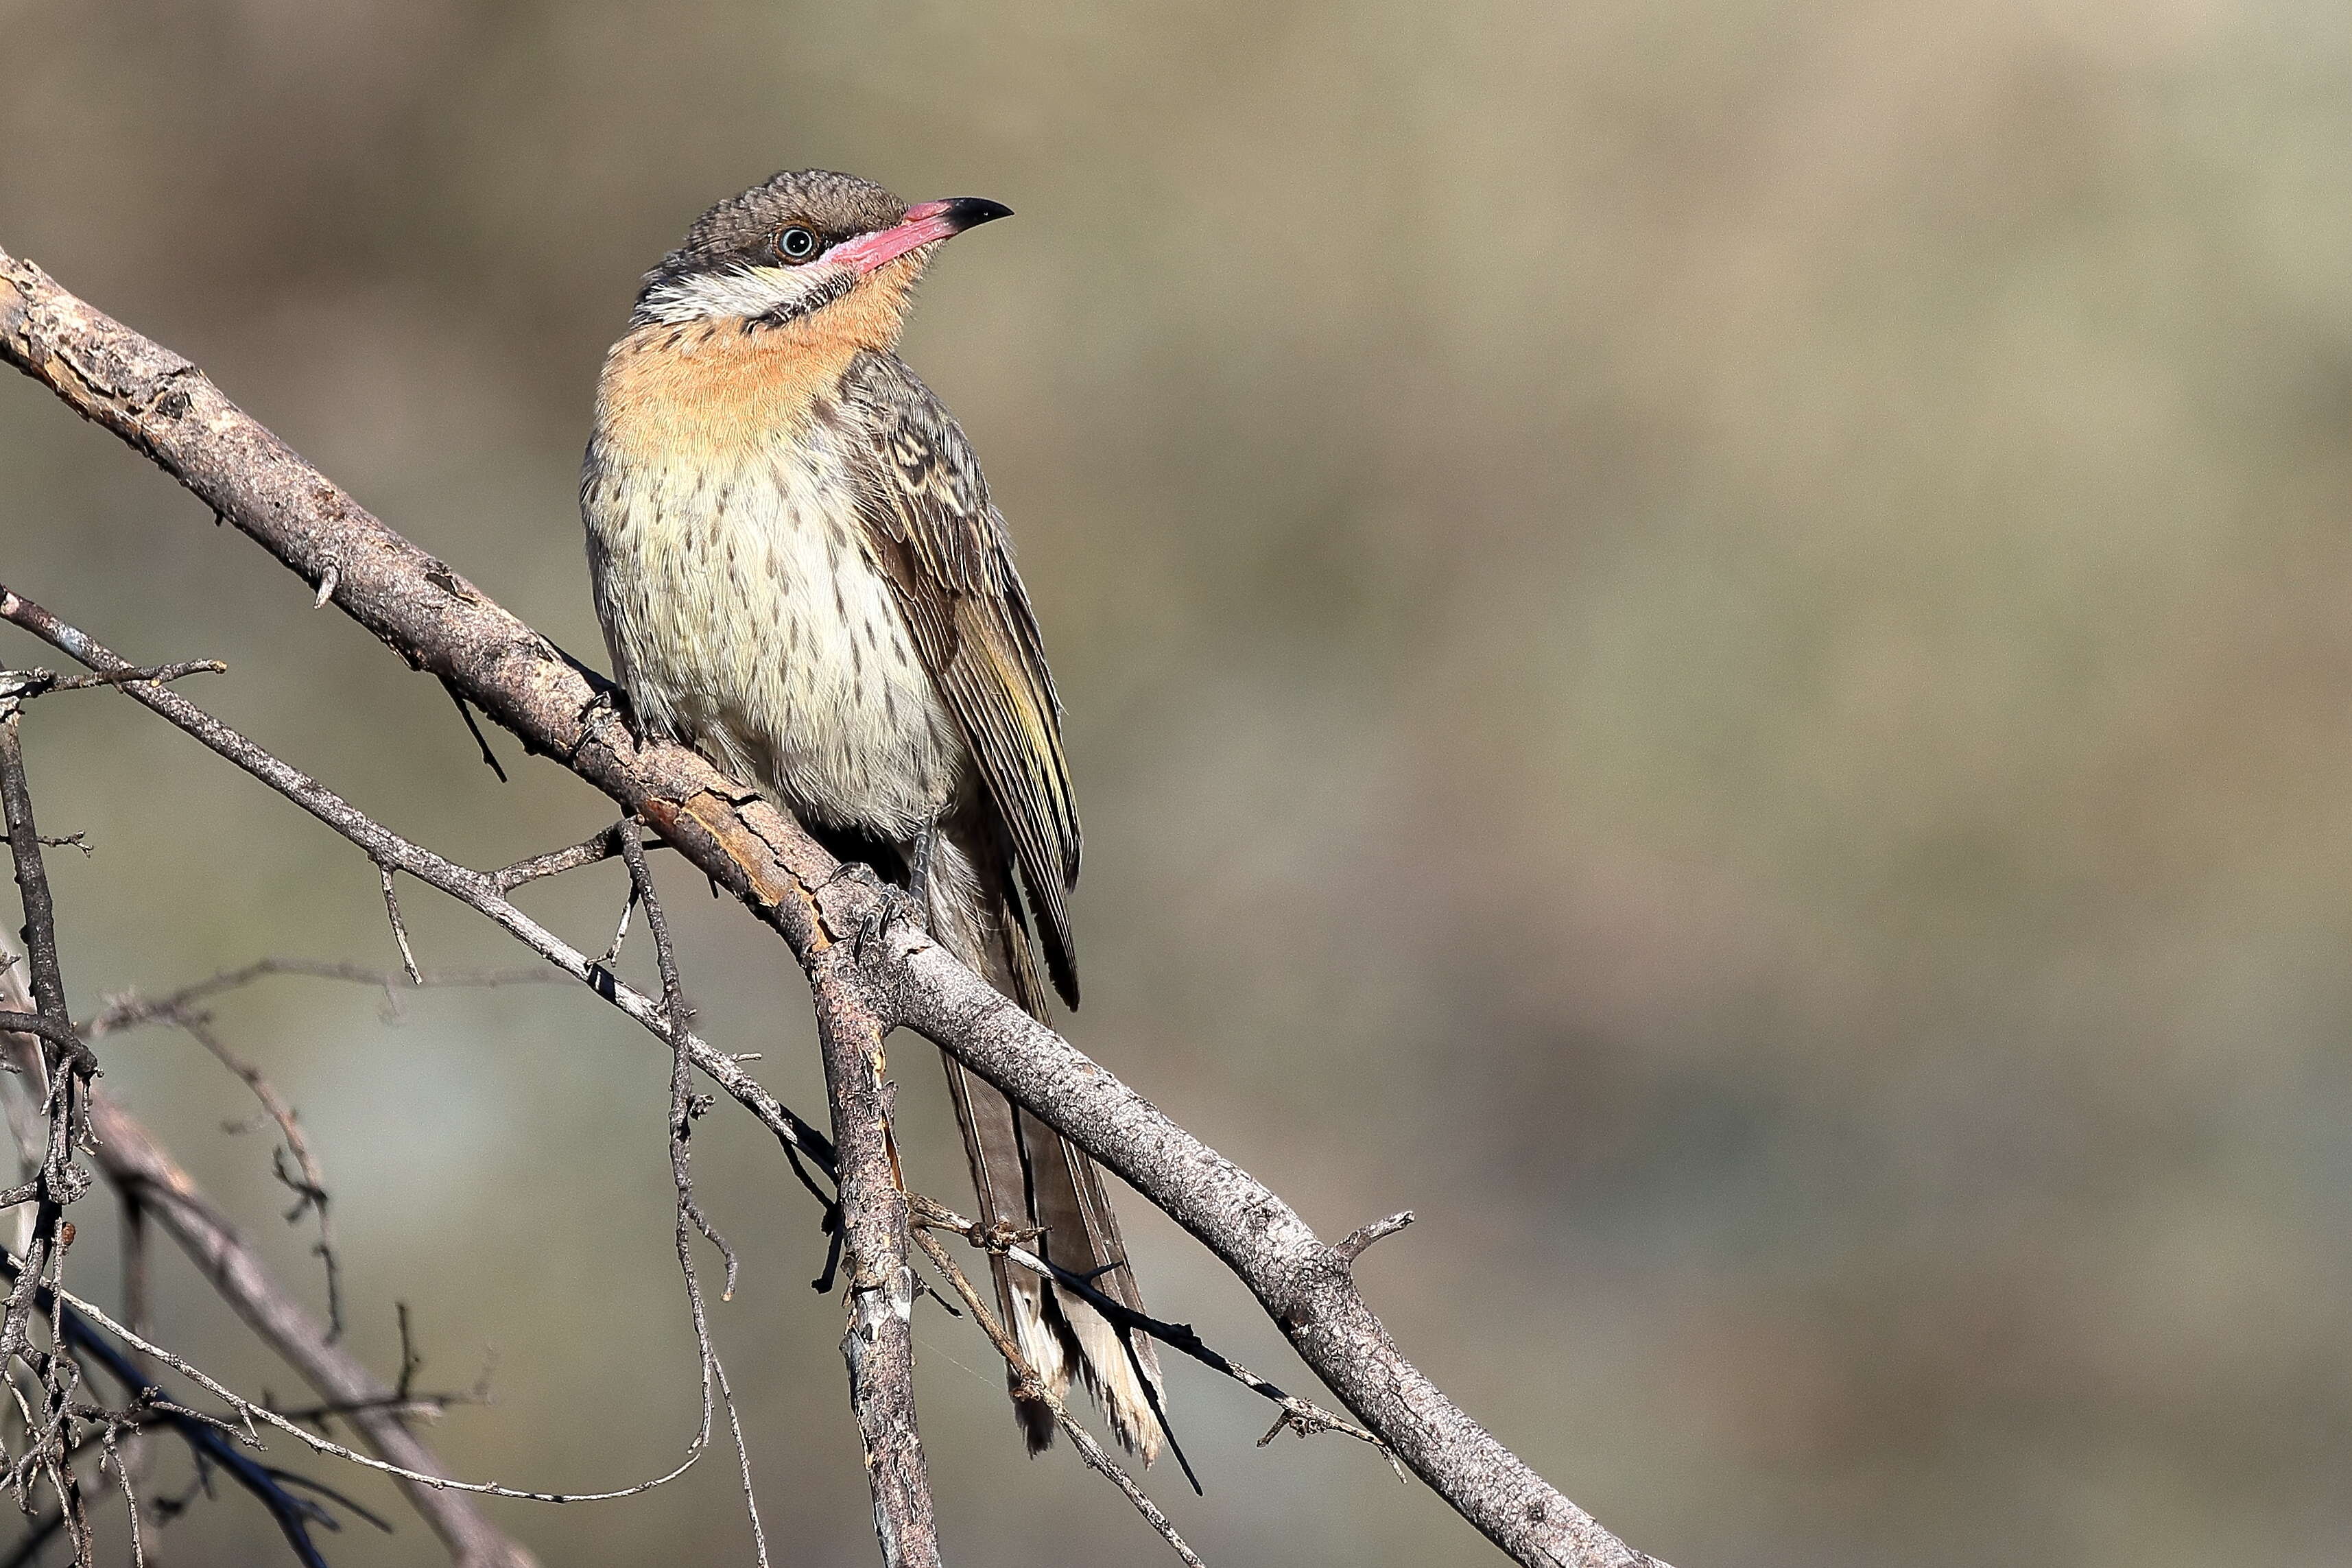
(946, 553)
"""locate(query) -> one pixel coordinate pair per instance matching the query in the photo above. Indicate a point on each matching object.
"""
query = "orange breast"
(711, 389)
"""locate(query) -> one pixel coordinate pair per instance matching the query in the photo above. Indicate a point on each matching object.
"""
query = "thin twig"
(307, 1181)
(399, 929)
(1029, 1386)
(1297, 1414)
(683, 1109)
(466, 711)
(30, 683)
(597, 846)
(129, 1008)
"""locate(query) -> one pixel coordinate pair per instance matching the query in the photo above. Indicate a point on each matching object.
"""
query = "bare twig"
(466, 711)
(1353, 1245)
(1029, 1386)
(129, 1008)
(137, 1310)
(399, 927)
(599, 845)
(30, 683)
(684, 1107)
(306, 1180)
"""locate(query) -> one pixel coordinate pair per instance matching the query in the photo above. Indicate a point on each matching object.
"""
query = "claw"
(890, 907)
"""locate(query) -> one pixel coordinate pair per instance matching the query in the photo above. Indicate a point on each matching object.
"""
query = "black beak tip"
(971, 212)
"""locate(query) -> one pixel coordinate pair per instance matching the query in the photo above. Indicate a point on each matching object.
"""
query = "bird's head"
(808, 246)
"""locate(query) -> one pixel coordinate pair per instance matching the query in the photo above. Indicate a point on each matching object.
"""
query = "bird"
(800, 571)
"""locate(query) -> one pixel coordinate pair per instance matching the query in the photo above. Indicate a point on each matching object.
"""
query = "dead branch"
(437, 622)
(143, 1171)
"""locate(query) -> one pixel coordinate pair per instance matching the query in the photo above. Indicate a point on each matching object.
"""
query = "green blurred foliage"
(1709, 641)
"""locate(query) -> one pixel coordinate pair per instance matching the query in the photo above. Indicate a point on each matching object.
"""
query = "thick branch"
(879, 1343)
(165, 408)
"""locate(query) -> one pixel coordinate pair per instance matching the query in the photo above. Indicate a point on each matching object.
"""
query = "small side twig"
(28, 684)
(399, 928)
(1353, 1245)
(466, 711)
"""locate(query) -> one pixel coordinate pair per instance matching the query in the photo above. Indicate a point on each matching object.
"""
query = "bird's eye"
(796, 244)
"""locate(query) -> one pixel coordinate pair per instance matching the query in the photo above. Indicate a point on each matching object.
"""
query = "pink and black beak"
(926, 223)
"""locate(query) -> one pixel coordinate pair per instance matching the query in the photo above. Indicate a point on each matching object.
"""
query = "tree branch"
(163, 406)
(879, 1343)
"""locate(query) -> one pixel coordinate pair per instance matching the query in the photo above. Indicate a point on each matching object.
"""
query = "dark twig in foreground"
(1297, 1415)
(39, 682)
(1027, 1384)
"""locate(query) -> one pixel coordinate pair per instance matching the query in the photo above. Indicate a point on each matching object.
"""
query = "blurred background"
(1709, 642)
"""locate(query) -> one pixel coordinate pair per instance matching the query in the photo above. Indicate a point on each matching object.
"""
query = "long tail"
(1028, 1175)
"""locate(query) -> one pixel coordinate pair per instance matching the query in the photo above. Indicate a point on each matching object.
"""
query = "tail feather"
(1026, 1175)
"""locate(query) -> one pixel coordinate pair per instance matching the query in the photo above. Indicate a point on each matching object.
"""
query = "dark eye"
(796, 243)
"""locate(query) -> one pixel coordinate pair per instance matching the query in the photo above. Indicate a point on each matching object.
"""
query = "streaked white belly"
(744, 615)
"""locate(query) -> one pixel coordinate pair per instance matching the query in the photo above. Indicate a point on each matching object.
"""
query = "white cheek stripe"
(739, 291)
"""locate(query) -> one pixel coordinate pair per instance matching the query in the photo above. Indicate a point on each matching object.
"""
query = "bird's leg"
(912, 901)
(919, 869)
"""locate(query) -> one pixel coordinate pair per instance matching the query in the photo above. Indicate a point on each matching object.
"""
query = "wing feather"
(950, 561)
